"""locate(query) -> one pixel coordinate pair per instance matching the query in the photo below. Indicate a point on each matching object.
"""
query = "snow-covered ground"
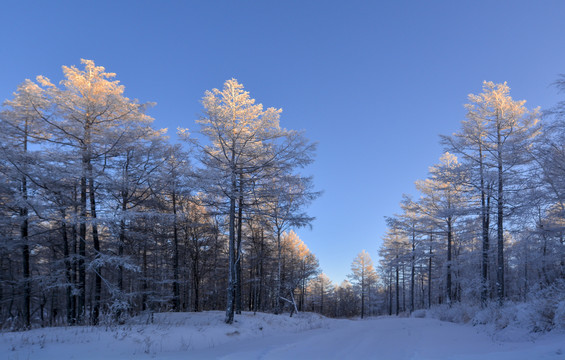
(266, 336)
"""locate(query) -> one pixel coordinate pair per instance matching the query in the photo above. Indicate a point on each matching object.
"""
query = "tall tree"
(507, 128)
(320, 289)
(443, 199)
(91, 116)
(393, 255)
(411, 225)
(20, 126)
(471, 145)
(298, 266)
(245, 144)
(364, 275)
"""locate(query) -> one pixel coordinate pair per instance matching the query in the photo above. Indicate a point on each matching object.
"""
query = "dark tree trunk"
(96, 245)
(68, 269)
(24, 233)
(485, 205)
(196, 273)
(176, 288)
(430, 271)
(238, 251)
(25, 258)
(449, 242)
(390, 293)
(362, 293)
(144, 284)
(500, 225)
(82, 252)
(413, 271)
(397, 289)
(231, 258)
(279, 274)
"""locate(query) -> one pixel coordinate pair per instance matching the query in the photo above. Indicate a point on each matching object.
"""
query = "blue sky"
(373, 82)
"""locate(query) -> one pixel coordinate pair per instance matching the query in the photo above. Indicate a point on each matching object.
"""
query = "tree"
(505, 128)
(470, 143)
(20, 126)
(443, 199)
(364, 275)
(393, 257)
(320, 289)
(411, 225)
(90, 115)
(346, 300)
(298, 265)
(246, 146)
(284, 197)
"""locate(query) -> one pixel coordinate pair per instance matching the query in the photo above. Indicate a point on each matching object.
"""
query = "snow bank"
(544, 311)
(167, 333)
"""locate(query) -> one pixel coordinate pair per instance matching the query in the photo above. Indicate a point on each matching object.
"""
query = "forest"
(103, 217)
(487, 226)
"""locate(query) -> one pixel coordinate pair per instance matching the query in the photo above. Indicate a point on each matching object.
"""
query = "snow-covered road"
(388, 339)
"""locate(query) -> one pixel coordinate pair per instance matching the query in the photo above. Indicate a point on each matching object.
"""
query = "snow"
(267, 336)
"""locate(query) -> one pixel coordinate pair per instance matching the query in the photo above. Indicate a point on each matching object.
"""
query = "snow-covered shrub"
(559, 318)
(543, 311)
(460, 313)
(531, 316)
(548, 310)
(486, 315)
(420, 314)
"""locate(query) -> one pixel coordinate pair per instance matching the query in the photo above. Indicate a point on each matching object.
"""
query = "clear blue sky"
(374, 82)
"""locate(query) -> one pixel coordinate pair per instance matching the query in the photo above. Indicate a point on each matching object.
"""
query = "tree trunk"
(24, 228)
(144, 285)
(485, 228)
(362, 292)
(397, 289)
(122, 239)
(74, 262)
(176, 289)
(231, 258)
(68, 268)
(96, 245)
(24, 232)
(196, 274)
(390, 292)
(430, 271)
(82, 251)
(500, 225)
(413, 271)
(238, 250)
(449, 241)
(279, 273)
